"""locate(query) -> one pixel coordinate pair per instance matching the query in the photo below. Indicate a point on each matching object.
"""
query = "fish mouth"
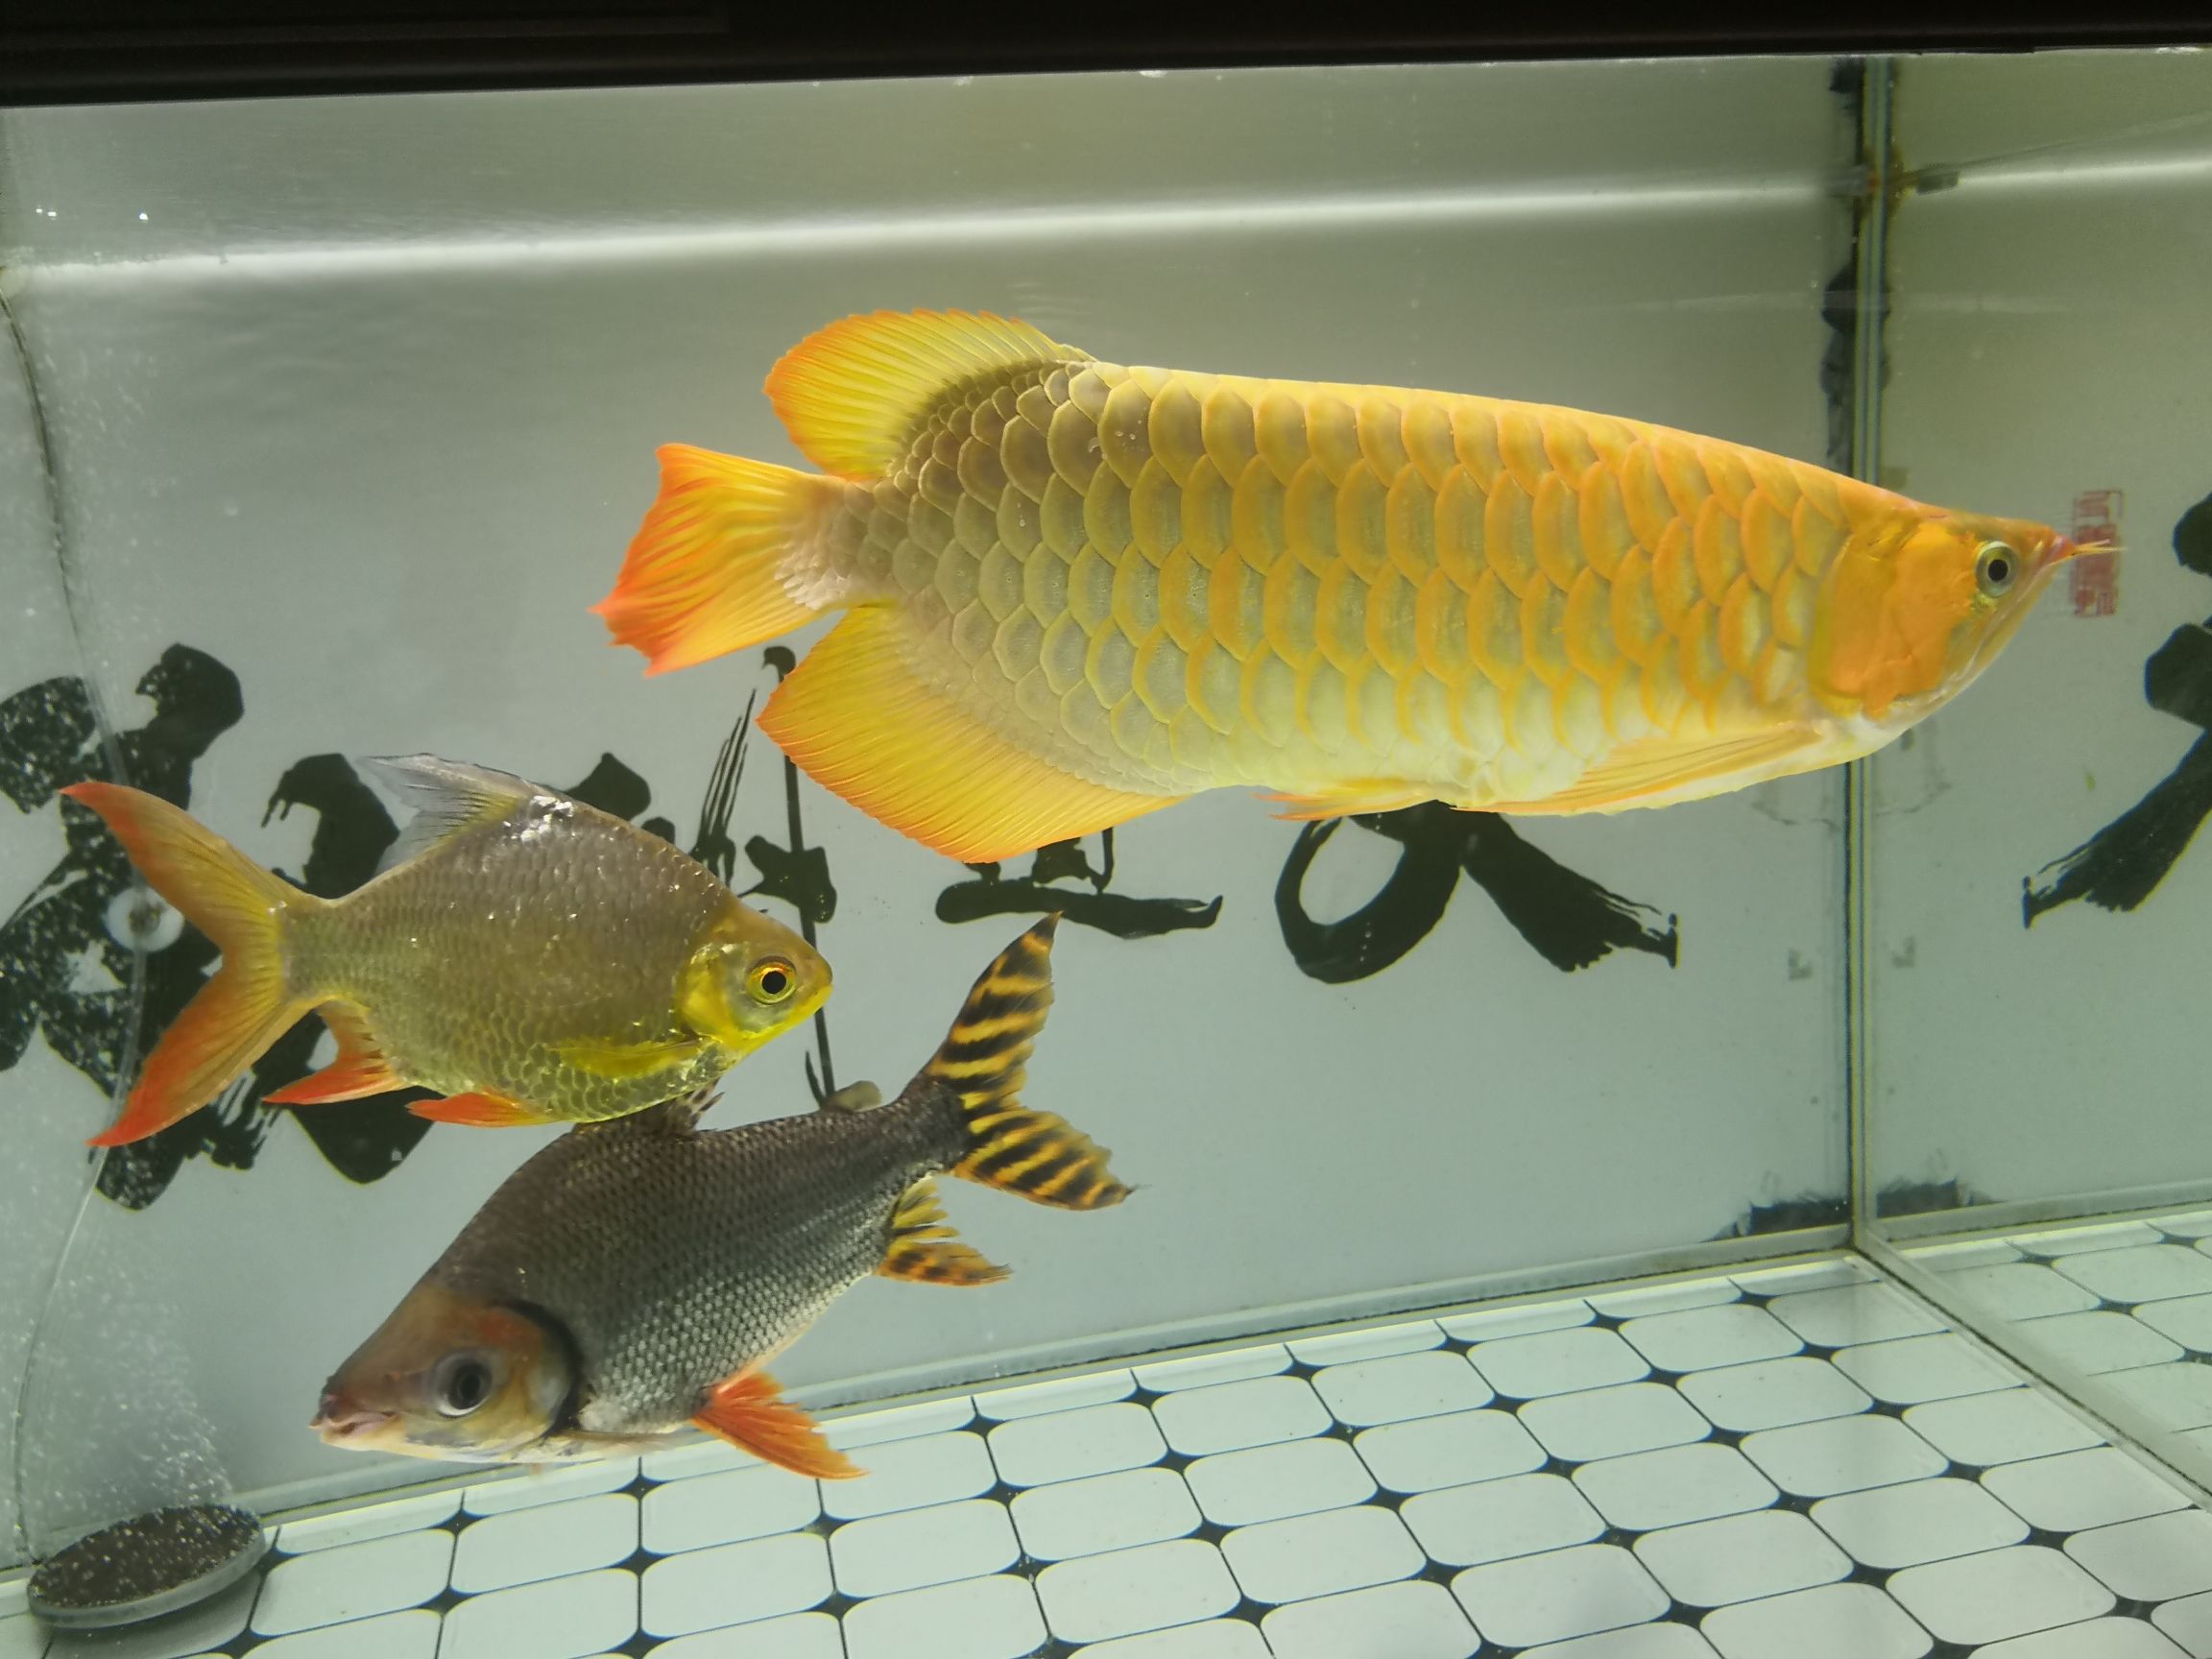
(340, 1422)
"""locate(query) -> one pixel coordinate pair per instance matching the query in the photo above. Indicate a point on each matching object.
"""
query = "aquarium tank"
(1583, 683)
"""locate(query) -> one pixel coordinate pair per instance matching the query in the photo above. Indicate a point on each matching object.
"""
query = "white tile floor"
(2127, 1302)
(1793, 1464)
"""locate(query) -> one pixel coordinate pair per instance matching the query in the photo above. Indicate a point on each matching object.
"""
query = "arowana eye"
(1996, 567)
(772, 980)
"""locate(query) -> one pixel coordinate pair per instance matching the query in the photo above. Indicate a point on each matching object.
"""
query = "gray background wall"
(360, 398)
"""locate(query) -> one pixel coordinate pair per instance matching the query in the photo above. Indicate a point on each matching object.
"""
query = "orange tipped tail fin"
(728, 556)
(239, 905)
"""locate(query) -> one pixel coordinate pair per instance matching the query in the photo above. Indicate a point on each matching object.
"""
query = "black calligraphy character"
(1568, 919)
(2121, 866)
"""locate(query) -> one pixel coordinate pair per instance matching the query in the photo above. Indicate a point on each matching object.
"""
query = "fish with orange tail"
(1075, 593)
(633, 1277)
(532, 958)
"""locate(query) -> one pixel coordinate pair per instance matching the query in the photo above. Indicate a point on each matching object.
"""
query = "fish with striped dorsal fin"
(636, 1276)
(1075, 593)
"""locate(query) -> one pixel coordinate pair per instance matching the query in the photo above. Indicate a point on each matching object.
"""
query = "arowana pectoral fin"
(861, 724)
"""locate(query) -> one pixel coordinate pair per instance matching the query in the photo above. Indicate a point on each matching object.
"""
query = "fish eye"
(462, 1382)
(1996, 567)
(772, 980)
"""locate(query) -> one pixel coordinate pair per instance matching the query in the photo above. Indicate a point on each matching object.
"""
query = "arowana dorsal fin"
(850, 395)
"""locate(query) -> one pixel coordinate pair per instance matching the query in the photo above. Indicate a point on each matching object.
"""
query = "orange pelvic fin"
(1039, 1155)
(858, 721)
(360, 1068)
(853, 393)
(923, 1247)
(481, 1109)
(1659, 771)
(243, 909)
(752, 1414)
(714, 566)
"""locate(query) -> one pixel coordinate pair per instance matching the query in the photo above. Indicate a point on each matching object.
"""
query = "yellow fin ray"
(482, 1109)
(248, 1004)
(850, 395)
(706, 574)
(922, 1246)
(1362, 795)
(858, 721)
(1660, 771)
(449, 798)
(361, 1068)
(1039, 1155)
(627, 1060)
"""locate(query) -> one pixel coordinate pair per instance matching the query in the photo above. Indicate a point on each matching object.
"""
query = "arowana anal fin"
(852, 393)
(752, 1414)
(1365, 795)
(479, 1109)
(924, 1246)
(360, 1068)
(855, 720)
(1659, 771)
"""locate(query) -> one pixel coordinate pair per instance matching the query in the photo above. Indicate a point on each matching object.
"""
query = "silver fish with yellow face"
(634, 1276)
(533, 959)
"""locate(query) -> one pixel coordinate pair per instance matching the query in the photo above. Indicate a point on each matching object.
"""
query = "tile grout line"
(1971, 1325)
(1030, 1567)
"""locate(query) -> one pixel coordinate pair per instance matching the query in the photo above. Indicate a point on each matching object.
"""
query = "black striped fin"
(1039, 1155)
(924, 1246)
(981, 1058)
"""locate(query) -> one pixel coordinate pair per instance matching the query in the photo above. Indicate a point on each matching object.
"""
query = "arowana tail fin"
(1039, 1155)
(710, 570)
(240, 906)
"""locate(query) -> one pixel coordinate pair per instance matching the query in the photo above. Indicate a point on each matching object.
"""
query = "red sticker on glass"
(2093, 574)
